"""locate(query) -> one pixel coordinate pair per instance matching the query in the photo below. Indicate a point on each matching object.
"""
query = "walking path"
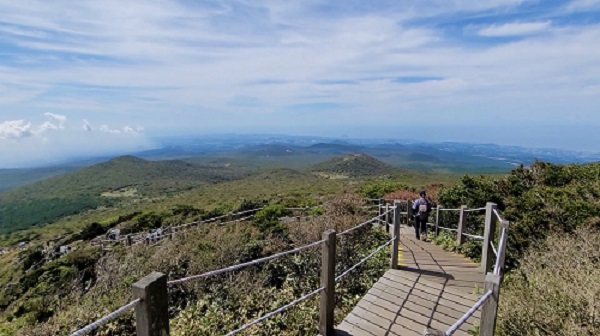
(433, 288)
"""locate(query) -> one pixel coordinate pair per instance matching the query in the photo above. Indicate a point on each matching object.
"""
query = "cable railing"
(105, 319)
(141, 237)
(243, 265)
(156, 284)
(493, 279)
(468, 314)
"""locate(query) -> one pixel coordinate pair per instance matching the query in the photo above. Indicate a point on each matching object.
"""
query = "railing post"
(129, 240)
(387, 219)
(489, 309)
(152, 313)
(488, 237)
(396, 234)
(502, 250)
(461, 225)
(327, 296)
(380, 211)
(437, 219)
(408, 211)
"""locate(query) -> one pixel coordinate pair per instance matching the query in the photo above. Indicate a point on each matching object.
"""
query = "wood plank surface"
(432, 288)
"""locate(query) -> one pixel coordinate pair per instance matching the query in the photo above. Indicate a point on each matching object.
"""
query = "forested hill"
(106, 183)
(354, 165)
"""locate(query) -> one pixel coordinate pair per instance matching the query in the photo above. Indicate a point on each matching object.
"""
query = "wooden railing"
(494, 271)
(151, 292)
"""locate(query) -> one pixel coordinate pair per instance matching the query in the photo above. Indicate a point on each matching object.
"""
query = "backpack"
(423, 208)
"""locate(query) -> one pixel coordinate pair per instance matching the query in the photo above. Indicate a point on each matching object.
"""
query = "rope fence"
(276, 311)
(152, 291)
(363, 260)
(376, 218)
(476, 209)
(468, 314)
(107, 318)
(473, 236)
(243, 265)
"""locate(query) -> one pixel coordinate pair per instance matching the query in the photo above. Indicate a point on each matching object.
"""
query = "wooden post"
(502, 249)
(461, 225)
(387, 221)
(437, 220)
(170, 233)
(129, 240)
(396, 235)
(408, 211)
(488, 237)
(327, 296)
(152, 313)
(147, 241)
(489, 309)
(380, 211)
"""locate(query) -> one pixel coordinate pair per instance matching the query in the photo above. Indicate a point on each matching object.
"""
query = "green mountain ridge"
(45, 201)
(354, 165)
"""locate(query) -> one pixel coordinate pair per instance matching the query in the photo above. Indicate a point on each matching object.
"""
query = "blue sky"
(94, 76)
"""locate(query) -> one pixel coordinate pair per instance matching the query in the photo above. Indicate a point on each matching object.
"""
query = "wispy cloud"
(515, 29)
(203, 66)
(14, 129)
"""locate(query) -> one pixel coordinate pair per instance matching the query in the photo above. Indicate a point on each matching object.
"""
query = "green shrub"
(556, 290)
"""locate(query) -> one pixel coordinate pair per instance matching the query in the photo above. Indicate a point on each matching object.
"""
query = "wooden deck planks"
(433, 288)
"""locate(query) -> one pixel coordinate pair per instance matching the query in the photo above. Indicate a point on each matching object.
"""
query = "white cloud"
(58, 117)
(132, 130)
(86, 126)
(106, 129)
(46, 126)
(176, 66)
(515, 29)
(23, 143)
(15, 129)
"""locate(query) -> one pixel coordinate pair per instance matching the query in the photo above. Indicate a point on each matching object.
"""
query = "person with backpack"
(421, 209)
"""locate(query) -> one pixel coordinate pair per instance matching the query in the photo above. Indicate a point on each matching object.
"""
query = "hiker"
(421, 209)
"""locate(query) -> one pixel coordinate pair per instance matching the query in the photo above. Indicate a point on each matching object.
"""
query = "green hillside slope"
(354, 165)
(104, 184)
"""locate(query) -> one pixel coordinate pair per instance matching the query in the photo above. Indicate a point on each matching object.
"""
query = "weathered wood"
(489, 309)
(152, 313)
(433, 332)
(129, 240)
(461, 225)
(488, 237)
(433, 288)
(502, 249)
(387, 221)
(327, 295)
(396, 235)
(437, 220)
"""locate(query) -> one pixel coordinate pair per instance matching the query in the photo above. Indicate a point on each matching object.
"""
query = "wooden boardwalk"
(433, 288)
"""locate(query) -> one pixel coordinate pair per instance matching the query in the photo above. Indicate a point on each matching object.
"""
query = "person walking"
(421, 209)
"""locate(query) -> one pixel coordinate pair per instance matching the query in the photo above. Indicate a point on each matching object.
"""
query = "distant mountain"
(273, 149)
(12, 178)
(354, 165)
(334, 148)
(102, 184)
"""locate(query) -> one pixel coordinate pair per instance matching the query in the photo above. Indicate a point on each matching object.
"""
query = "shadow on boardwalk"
(433, 288)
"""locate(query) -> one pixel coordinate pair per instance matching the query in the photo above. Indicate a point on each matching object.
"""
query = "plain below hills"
(103, 184)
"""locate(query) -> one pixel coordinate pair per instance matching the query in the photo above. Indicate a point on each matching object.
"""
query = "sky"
(96, 77)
